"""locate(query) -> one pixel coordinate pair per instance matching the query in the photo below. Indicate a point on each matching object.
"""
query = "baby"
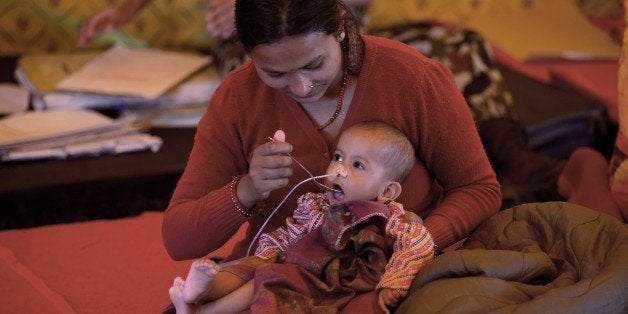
(366, 171)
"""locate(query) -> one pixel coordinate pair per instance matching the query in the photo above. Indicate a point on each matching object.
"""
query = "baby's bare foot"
(199, 279)
(176, 296)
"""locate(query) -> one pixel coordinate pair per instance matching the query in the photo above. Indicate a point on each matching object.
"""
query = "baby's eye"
(336, 157)
(358, 165)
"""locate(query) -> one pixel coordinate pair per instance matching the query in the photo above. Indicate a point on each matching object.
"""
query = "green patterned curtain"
(29, 26)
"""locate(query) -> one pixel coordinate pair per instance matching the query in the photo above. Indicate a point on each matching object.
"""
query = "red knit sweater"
(396, 85)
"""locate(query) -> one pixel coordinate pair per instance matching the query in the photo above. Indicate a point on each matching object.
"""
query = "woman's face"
(295, 64)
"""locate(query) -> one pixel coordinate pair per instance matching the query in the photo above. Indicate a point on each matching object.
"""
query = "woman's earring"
(341, 36)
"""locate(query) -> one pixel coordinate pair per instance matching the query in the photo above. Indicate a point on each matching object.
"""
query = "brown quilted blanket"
(535, 258)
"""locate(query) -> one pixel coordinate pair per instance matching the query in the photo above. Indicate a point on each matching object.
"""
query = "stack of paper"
(69, 133)
(120, 77)
(13, 98)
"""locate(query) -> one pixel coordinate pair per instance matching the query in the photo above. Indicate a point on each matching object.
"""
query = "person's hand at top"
(105, 20)
(109, 19)
(220, 18)
(269, 170)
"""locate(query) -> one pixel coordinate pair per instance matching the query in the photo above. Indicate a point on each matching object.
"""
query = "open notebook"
(127, 71)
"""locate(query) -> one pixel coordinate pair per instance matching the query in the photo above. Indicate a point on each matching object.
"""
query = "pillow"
(524, 29)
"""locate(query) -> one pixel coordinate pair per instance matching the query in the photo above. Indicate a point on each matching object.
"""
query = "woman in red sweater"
(312, 75)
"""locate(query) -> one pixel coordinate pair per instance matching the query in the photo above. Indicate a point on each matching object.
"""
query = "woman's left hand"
(269, 170)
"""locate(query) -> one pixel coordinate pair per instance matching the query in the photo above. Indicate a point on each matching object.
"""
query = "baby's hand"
(389, 298)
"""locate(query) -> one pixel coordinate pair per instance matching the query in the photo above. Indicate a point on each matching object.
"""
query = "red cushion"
(106, 266)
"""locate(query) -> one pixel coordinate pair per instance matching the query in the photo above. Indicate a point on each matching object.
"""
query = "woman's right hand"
(269, 170)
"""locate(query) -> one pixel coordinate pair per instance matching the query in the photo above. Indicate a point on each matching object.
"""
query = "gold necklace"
(338, 104)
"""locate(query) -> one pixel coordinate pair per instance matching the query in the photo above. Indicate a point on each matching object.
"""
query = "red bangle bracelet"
(234, 199)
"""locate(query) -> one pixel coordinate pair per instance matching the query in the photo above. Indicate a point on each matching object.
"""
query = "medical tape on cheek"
(339, 171)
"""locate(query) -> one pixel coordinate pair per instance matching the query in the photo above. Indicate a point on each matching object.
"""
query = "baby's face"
(357, 169)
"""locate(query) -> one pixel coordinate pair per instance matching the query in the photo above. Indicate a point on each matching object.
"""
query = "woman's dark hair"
(268, 21)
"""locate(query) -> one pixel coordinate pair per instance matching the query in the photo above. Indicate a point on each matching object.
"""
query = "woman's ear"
(391, 191)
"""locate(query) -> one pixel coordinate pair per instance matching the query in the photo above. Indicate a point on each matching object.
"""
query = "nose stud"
(311, 86)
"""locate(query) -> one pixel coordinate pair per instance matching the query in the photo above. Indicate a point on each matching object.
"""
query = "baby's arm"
(412, 249)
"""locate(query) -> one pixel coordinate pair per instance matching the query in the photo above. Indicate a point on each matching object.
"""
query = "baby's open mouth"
(338, 196)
